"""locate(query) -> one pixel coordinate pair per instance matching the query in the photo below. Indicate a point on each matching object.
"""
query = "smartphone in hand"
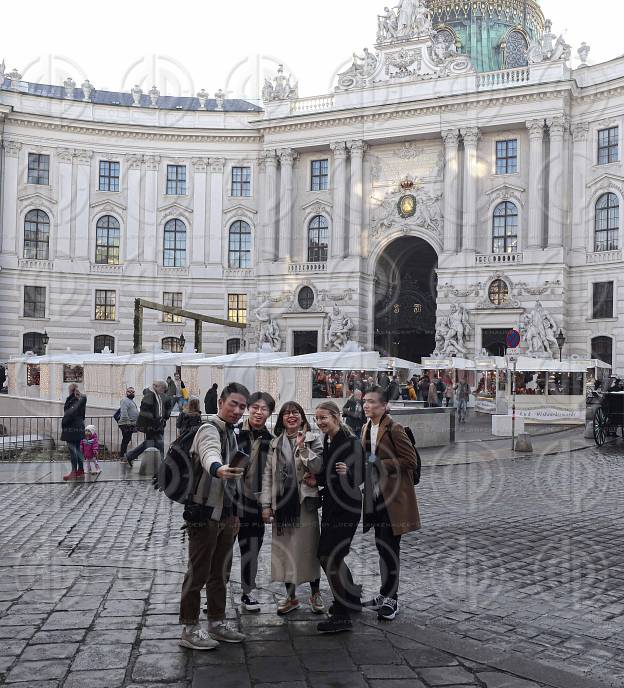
(240, 460)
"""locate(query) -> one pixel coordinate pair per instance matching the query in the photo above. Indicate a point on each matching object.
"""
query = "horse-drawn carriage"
(609, 417)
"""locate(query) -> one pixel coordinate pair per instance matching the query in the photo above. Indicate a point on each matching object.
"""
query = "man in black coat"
(153, 416)
(210, 400)
(73, 428)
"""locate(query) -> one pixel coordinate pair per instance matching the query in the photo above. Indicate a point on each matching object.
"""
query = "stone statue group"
(409, 18)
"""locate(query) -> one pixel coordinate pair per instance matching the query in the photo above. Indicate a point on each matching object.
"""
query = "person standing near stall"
(73, 430)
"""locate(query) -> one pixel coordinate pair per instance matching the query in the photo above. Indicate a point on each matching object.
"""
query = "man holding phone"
(212, 523)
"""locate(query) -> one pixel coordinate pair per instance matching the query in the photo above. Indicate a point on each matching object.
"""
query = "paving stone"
(495, 679)
(99, 657)
(338, 679)
(62, 620)
(327, 661)
(396, 683)
(267, 669)
(38, 671)
(282, 684)
(427, 657)
(11, 648)
(269, 648)
(447, 676)
(387, 671)
(17, 632)
(156, 632)
(111, 637)
(226, 653)
(68, 635)
(68, 604)
(221, 676)
(49, 651)
(123, 608)
(160, 667)
(377, 652)
(95, 679)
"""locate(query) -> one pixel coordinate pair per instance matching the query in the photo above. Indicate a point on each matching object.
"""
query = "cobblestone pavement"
(515, 581)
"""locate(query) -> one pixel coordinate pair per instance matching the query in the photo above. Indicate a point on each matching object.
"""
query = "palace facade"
(460, 161)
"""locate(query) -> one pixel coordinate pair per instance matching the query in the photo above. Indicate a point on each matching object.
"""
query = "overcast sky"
(211, 44)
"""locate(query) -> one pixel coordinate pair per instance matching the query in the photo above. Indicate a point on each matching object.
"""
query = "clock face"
(407, 206)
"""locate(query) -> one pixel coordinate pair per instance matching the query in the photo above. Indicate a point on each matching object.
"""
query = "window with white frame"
(101, 341)
(107, 239)
(176, 180)
(319, 175)
(174, 247)
(37, 235)
(38, 168)
(237, 308)
(505, 228)
(109, 176)
(34, 302)
(241, 181)
(172, 298)
(607, 228)
(239, 245)
(608, 145)
(105, 304)
(507, 156)
(602, 303)
(318, 239)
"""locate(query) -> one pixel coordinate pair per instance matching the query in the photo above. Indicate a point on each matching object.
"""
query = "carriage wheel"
(600, 424)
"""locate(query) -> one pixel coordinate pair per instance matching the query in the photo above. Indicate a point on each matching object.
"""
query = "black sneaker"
(388, 610)
(250, 603)
(375, 604)
(355, 607)
(334, 625)
(129, 461)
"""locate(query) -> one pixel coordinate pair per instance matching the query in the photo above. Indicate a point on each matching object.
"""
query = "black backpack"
(412, 439)
(176, 476)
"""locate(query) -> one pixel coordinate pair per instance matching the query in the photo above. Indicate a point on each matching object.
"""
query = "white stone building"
(460, 161)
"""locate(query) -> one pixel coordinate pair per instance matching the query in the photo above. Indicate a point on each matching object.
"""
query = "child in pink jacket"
(89, 447)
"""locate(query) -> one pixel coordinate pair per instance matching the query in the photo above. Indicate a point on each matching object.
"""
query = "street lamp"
(561, 340)
(45, 340)
(182, 341)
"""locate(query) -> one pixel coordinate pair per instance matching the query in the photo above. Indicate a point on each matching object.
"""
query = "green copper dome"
(495, 34)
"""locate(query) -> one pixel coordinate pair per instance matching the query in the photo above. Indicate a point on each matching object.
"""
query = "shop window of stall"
(32, 375)
(565, 384)
(530, 383)
(73, 373)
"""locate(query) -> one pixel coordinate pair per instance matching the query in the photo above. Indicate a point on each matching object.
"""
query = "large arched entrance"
(405, 299)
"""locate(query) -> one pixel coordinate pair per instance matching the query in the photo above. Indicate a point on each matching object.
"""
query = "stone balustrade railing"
(604, 257)
(504, 77)
(496, 258)
(307, 267)
(312, 104)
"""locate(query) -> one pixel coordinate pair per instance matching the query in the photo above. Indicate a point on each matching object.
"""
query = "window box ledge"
(597, 257)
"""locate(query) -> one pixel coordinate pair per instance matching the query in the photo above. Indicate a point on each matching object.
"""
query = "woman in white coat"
(292, 506)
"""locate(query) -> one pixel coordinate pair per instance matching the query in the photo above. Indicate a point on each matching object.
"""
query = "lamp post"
(182, 341)
(561, 340)
(45, 340)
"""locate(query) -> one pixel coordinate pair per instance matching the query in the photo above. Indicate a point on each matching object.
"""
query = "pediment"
(506, 191)
(239, 208)
(174, 209)
(607, 179)
(317, 203)
(107, 204)
(34, 197)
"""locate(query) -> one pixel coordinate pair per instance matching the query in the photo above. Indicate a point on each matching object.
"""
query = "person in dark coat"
(353, 412)
(190, 416)
(339, 480)
(153, 416)
(394, 389)
(73, 429)
(210, 400)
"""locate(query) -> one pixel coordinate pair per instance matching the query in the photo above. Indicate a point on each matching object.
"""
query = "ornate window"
(507, 156)
(33, 341)
(505, 228)
(36, 235)
(607, 223)
(34, 302)
(305, 298)
(176, 180)
(38, 168)
(241, 181)
(172, 345)
(107, 241)
(608, 145)
(174, 254)
(172, 298)
(516, 50)
(101, 341)
(109, 176)
(239, 248)
(237, 308)
(319, 178)
(105, 304)
(233, 346)
(318, 239)
(602, 349)
(498, 292)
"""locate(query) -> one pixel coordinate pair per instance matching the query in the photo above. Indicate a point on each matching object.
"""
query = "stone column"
(82, 243)
(536, 188)
(337, 243)
(471, 178)
(287, 160)
(200, 167)
(581, 162)
(556, 202)
(63, 241)
(451, 190)
(217, 165)
(266, 250)
(152, 241)
(10, 225)
(356, 199)
(133, 222)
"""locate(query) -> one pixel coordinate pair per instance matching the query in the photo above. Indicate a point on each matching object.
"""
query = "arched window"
(233, 346)
(33, 341)
(607, 223)
(107, 241)
(37, 235)
(305, 298)
(516, 50)
(172, 345)
(102, 341)
(505, 228)
(498, 292)
(318, 239)
(602, 349)
(239, 248)
(174, 254)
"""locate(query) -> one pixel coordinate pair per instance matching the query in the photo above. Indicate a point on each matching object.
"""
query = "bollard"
(523, 444)
(150, 462)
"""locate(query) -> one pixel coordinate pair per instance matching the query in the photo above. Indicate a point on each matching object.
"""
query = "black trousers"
(126, 438)
(338, 528)
(389, 548)
(250, 538)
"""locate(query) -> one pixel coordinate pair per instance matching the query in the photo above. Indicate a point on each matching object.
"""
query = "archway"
(405, 299)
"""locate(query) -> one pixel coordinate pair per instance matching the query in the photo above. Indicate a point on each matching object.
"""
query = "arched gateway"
(405, 299)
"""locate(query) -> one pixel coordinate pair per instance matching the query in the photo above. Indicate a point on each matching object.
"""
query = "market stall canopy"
(331, 360)
(448, 364)
(240, 360)
(394, 362)
(69, 357)
(528, 364)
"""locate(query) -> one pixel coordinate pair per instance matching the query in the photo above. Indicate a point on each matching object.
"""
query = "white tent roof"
(67, 357)
(394, 362)
(330, 360)
(244, 359)
(148, 357)
(448, 363)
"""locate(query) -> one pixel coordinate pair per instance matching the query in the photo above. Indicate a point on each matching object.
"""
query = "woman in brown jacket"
(390, 505)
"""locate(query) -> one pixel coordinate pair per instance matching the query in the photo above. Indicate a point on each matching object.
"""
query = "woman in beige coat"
(292, 506)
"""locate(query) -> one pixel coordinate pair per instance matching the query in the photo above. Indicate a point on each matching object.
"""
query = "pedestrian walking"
(390, 505)
(462, 396)
(190, 416)
(339, 480)
(73, 428)
(394, 389)
(353, 412)
(432, 394)
(212, 523)
(441, 388)
(292, 507)
(411, 391)
(423, 389)
(210, 400)
(89, 448)
(449, 394)
(153, 416)
(128, 417)
(254, 439)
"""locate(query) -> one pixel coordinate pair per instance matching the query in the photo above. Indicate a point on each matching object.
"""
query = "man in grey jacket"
(129, 414)
(212, 524)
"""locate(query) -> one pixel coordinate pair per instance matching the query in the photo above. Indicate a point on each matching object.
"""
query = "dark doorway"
(305, 342)
(405, 299)
(493, 341)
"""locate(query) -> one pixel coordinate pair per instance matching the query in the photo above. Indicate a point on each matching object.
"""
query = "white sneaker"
(225, 633)
(197, 639)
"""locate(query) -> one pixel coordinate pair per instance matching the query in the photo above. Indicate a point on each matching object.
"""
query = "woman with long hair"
(190, 416)
(339, 479)
(292, 506)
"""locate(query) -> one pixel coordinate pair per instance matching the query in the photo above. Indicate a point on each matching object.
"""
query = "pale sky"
(186, 46)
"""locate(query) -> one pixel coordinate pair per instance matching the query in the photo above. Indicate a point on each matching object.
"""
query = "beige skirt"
(293, 553)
